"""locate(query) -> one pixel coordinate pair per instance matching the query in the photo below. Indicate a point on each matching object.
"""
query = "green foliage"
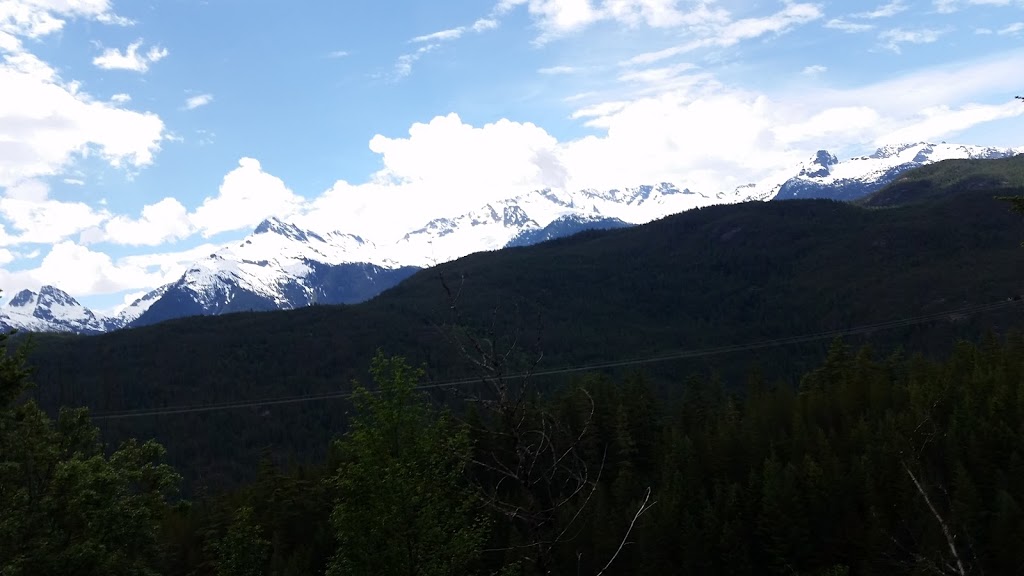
(403, 505)
(65, 506)
(941, 179)
(243, 551)
(722, 275)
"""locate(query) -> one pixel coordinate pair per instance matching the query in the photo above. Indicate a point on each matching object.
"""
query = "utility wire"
(679, 355)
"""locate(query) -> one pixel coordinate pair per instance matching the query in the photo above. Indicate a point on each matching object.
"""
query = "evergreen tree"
(65, 506)
(402, 504)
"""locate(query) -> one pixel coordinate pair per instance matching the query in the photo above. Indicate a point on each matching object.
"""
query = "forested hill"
(717, 276)
(949, 177)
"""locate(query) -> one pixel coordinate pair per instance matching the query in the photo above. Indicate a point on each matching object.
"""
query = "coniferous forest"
(848, 453)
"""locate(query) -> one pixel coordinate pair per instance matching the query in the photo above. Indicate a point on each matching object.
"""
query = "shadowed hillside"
(716, 276)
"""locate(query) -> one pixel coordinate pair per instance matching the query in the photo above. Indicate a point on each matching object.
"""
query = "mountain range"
(282, 266)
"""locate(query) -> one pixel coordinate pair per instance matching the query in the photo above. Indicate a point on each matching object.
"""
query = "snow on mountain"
(278, 266)
(49, 310)
(495, 225)
(272, 260)
(824, 176)
(137, 308)
(281, 266)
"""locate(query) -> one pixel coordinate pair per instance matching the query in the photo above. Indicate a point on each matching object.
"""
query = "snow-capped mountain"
(523, 219)
(49, 310)
(824, 176)
(278, 266)
(282, 266)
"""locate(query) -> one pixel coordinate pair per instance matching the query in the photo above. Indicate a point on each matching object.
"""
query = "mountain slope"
(717, 276)
(51, 310)
(824, 176)
(278, 266)
(949, 177)
(282, 266)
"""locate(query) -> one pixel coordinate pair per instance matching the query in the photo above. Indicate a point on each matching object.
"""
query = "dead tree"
(531, 467)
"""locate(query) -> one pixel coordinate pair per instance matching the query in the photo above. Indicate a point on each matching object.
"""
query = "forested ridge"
(896, 451)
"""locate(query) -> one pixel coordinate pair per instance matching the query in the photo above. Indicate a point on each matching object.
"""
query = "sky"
(139, 136)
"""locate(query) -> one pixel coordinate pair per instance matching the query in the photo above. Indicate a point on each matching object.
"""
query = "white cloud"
(950, 6)
(30, 190)
(884, 11)
(37, 18)
(338, 54)
(46, 122)
(814, 70)
(246, 196)
(121, 98)
(556, 70)
(893, 39)
(6, 257)
(849, 27)
(166, 220)
(130, 59)
(84, 272)
(442, 166)
(441, 36)
(46, 221)
(194, 102)
(403, 66)
(732, 33)
(1012, 28)
(706, 135)
(484, 24)
(560, 17)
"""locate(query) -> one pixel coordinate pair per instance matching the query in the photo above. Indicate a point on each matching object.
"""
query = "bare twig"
(644, 507)
(950, 538)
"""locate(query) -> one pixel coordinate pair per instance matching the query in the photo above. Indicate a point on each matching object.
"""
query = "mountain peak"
(275, 225)
(891, 150)
(819, 165)
(23, 299)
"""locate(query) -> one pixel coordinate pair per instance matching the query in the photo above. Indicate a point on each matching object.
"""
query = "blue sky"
(137, 137)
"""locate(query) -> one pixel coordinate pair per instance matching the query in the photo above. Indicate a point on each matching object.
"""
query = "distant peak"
(275, 225)
(272, 224)
(819, 165)
(891, 150)
(23, 298)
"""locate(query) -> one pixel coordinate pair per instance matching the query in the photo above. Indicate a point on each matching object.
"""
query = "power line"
(679, 355)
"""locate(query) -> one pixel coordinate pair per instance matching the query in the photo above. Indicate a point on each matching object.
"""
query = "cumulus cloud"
(194, 102)
(84, 272)
(47, 221)
(48, 122)
(164, 221)
(814, 70)
(246, 196)
(130, 58)
(37, 18)
(686, 127)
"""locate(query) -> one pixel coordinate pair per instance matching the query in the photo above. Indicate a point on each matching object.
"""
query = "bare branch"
(950, 538)
(644, 507)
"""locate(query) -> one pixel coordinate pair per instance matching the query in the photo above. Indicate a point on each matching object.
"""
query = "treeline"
(868, 465)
